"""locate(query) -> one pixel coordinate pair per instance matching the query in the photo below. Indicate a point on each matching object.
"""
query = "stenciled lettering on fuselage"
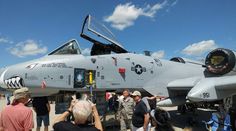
(138, 69)
(56, 65)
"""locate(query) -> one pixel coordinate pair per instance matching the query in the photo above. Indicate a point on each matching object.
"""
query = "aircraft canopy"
(105, 41)
(68, 48)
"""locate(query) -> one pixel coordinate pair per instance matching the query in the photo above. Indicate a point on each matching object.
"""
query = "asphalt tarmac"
(179, 121)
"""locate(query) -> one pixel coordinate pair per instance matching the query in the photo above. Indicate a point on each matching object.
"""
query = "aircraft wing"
(213, 88)
(175, 91)
(186, 83)
(168, 88)
(205, 89)
(198, 89)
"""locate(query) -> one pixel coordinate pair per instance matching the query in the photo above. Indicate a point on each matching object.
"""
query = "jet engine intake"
(220, 61)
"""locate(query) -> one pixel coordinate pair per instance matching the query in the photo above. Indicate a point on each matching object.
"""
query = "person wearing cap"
(82, 111)
(140, 118)
(18, 117)
(161, 120)
(125, 109)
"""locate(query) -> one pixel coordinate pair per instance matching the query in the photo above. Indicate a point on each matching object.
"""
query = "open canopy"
(105, 42)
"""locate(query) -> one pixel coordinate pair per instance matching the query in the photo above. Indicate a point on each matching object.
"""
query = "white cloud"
(198, 49)
(174, 3)
(158, 54)
(86, 51)
(27, 48)
(5, 40)
(124, 15)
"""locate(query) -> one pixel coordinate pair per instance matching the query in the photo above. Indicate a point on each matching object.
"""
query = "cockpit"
(105, 42)
(69, 48)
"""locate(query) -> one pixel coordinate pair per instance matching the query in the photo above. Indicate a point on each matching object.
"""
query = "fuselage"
(111, 72)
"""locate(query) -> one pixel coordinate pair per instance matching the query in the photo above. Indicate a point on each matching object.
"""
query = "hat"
(136, 93)
(21, 93)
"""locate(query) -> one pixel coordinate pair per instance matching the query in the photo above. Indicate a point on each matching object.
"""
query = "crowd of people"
(17, 116)
(140, 113)
(134, 113)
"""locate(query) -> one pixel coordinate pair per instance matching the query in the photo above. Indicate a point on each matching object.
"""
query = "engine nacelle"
(220, 61)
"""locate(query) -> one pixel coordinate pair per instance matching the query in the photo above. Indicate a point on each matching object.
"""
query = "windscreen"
(68, 48)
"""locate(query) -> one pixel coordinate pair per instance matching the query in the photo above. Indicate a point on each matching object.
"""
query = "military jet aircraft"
(111, 67)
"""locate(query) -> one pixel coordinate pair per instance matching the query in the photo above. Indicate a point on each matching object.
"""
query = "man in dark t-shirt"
(82, 111)
(42, 108)
(140, 118)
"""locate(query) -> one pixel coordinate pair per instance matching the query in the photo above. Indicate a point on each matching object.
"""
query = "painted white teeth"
(17, 79)
(14, 82)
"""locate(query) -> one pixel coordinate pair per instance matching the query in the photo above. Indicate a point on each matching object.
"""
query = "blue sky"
(30, 29)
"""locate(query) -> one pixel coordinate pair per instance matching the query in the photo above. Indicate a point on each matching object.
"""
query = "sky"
(30, 29)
